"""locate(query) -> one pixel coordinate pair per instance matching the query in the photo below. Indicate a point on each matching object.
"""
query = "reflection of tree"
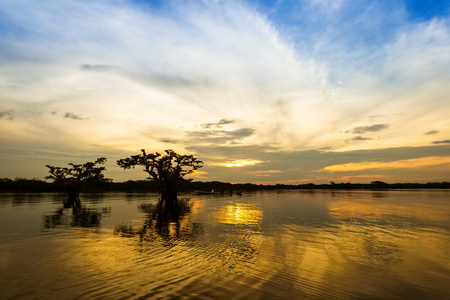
(166, 219)
(229, 245)
(76, 215)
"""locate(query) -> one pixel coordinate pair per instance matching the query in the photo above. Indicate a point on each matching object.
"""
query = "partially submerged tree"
(167, 170)
(76, 177)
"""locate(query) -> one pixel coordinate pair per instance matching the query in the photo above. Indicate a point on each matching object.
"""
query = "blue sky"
(262, 91)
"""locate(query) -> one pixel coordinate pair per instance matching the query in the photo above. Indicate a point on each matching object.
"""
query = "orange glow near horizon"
(266, 173)
(399, 164)
(198, 174)
(238, 163)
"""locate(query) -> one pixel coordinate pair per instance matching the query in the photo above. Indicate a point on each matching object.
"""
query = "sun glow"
(238, 163)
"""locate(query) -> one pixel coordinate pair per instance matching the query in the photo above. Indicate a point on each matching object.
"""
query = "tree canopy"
(76, 177)
(167, 170)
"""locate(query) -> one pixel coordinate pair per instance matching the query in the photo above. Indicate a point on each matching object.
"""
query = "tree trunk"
(72, 201)
(169, 196)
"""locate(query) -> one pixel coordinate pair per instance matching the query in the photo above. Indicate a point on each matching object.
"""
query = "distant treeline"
(37, 185)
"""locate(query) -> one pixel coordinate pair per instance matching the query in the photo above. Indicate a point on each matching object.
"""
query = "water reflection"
(78, 216)
(240, 214)
(277, 245)
(166, 219)
(379, 194)
(404, 213)
(74, 214)
(19, 199)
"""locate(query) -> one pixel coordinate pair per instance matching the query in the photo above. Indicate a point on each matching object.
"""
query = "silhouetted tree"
(379, 184)
(167, 170)
(76, 177)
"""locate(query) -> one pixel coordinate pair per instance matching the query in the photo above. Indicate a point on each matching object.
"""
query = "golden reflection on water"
(240, 214)
(352, 249)
(369, 210)
(369, 229)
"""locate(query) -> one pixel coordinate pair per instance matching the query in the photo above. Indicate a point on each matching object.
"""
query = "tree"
(379, 184)
(168, 170)
(76, 177)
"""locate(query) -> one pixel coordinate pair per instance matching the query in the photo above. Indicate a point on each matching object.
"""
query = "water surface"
(262, 245)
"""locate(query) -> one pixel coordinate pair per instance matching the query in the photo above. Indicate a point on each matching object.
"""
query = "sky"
(287, 91)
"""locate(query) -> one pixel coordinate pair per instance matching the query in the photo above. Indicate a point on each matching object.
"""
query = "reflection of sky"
(379, 206)
(296, 207)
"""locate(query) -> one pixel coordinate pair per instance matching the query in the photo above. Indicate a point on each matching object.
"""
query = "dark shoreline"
(37, 185)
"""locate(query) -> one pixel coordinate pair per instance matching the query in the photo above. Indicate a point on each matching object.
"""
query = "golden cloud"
(399, 164)
(198, 174)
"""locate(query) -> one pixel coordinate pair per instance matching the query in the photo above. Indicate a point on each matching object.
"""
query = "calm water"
(263, 245)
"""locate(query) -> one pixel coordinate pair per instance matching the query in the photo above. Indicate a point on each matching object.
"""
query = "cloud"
(296, 165)
(7, 115)
(267, 173)
(72, 116)
(99, 68)
(199, 174)
(372, 128)
(420, 51)
(296, 75)
(217, 124)
(211, 60)
(218, 136)
(441, 142)
(400, 164)
(360, 138)
(431, 132)
(170, 141)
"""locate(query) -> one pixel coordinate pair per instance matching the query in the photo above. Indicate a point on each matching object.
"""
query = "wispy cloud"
(267, 173)
(217, 124)
(218, 136)
(69, 115)
(431, 132)
(371, 128)
(360, 138)
(99, 68)
(7, 115)
(169, 141)
(441, 142)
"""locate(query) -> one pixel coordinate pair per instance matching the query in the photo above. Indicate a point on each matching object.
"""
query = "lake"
(287, 244)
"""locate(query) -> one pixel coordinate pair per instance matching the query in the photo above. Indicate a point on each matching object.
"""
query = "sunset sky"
(262, 91)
